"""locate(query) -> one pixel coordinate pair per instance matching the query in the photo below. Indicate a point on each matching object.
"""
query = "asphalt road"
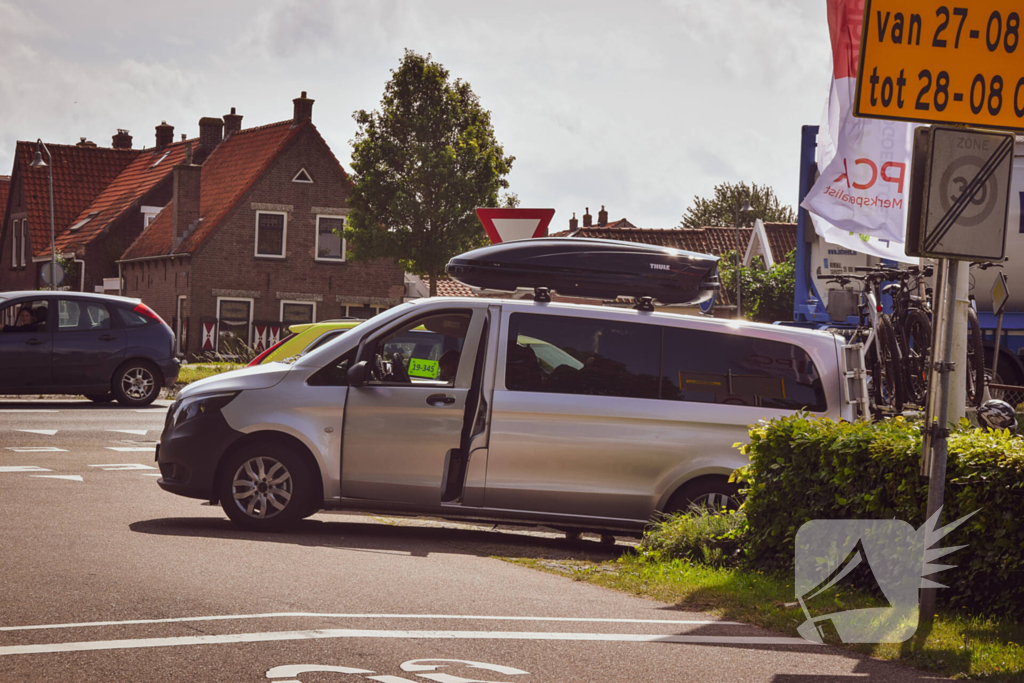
(107, 578)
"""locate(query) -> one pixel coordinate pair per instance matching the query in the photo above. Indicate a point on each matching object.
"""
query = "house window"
(24, 240)
(234, 317)
(84, 221)
(149, 214)
(302, 177)
(271, 228)
(330, 245)
(297, 312)
(14, 244)
(361, 311)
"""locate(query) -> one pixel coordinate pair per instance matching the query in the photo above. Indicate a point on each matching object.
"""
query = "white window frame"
(15, 229)
(252, 308)
(308, 175)
(377, 310)
(284, 236)
(24, 238)
(178, 307)
(344, 245)
(300, 303)
(149, 213)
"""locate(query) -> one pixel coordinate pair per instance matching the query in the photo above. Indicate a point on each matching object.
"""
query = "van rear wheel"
(712, 492)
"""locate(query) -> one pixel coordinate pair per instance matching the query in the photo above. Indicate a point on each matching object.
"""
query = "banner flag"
(860, 199)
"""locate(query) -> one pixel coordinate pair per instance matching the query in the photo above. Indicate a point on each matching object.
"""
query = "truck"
(816, 258)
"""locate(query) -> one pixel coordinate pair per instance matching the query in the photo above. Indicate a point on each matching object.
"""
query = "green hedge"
(803, 468)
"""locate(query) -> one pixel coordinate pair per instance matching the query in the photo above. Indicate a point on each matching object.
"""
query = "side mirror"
(358, 374)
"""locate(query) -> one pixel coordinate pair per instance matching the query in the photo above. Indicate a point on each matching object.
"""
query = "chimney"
(184, 137)
(122, 140)
(187, 178)
(303, 109)
(164, 135)
(82, 142)
(573, 223)
(587, 218)
(602, 217)
(211, 132)
(232, 123)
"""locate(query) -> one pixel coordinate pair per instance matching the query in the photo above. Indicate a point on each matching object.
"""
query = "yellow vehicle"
(303, 338)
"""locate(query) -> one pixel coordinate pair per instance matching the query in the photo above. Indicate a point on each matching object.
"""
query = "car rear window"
(130, 318)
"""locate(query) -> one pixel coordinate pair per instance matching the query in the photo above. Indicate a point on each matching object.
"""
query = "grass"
(193, 372)
(959, 646)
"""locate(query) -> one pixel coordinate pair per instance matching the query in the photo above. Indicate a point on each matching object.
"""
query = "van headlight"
(194, 406)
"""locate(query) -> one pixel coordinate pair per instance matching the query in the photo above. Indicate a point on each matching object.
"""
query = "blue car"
(105, 347)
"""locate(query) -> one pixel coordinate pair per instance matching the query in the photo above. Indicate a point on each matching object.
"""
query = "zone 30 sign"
(938, 61)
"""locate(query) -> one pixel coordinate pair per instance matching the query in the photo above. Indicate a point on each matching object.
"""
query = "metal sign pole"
(995, 354)
(937, 418)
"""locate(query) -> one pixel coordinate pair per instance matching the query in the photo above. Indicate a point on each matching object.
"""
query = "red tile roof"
(227, 175)
(80, 174)
(141, 176)
(449, 287)
(781, 239)
(5, 189)
(706, 240)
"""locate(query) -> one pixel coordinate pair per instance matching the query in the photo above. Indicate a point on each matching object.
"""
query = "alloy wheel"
(138, 383)
(262, 487)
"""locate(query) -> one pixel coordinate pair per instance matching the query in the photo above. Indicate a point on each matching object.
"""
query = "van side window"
(426, 350)
(569, 355)
(712, 367)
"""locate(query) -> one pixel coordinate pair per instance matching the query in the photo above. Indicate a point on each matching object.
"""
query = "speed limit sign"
(960, 181)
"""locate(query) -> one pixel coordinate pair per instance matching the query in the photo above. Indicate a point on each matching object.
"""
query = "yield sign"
(505, 225)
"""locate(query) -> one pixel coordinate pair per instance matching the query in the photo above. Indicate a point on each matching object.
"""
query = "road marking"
(136, 432)
(44, 432)
(162, 411)
(122, 466)
(35, 449)
(23, 468)
(130, 449)
(16, 410)
(348, 615)
(321, 634)
(69, 477)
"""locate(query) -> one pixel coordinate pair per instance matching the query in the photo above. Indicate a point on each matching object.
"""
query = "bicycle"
(875, 330)
(911, 318)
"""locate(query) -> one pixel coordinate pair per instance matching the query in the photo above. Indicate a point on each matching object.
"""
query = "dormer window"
(84, 221)
(302, 177)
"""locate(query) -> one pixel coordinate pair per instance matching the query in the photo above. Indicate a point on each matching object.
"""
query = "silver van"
(575, 417)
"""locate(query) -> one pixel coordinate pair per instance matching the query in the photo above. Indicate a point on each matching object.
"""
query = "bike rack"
(855, 379)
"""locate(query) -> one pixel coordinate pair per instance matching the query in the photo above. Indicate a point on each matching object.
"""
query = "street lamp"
(745, 210)
(39, 163)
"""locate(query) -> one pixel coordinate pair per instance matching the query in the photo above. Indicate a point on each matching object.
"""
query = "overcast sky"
(637, 106)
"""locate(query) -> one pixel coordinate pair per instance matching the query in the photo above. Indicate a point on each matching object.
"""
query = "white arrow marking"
(151, 474)
(35, 449)
(293, 670)
(13, 410)
(516, 228)
(320, 634)
(23, 468)
(69, 477)
(136, 432)
(123, 466)
(44, 432)
(130, 449)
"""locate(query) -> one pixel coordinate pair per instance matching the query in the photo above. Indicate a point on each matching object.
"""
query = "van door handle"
(108, 337)
(440, 400)
(33, 342)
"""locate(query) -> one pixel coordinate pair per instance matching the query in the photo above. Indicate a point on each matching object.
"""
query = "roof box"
(590, 268)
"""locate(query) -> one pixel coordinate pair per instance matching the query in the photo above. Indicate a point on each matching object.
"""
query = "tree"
(421, 165)
(767, 293)
(724, 208)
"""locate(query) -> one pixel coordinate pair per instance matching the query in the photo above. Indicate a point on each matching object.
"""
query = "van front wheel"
(713, 492)
(265, 487)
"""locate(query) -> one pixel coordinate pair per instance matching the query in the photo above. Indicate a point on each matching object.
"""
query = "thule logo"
(660, 266)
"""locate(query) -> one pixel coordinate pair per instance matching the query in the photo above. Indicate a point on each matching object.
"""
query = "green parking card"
(423, 368)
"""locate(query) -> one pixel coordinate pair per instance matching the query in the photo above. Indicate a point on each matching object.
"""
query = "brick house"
(80, 173)
(98, 236)
(249, 242)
